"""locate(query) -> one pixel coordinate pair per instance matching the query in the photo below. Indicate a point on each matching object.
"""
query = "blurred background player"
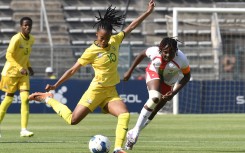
(103, 56)
(167, 62)
(50, 73)
(16, 73)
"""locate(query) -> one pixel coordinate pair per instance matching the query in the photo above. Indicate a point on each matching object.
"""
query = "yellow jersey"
(18, 53)
(104, 61)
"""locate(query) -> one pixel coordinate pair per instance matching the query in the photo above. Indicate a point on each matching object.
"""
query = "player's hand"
(151, 6)
(31, 72)
(168, 96)
(50, 87)
(24, 71)
(126, 76)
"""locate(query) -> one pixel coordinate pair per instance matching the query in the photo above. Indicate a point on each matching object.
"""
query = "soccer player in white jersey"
(167, 63)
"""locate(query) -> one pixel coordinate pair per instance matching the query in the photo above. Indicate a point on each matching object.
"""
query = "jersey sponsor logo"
(89, 101)
(100, 55)
(26, 51)
(113, 48)
(21, 46)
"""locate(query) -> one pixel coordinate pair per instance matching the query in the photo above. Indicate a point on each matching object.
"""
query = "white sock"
(144, 114)
(23, 129)
(146, 123)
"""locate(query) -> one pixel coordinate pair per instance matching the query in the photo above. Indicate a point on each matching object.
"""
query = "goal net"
(213, 41)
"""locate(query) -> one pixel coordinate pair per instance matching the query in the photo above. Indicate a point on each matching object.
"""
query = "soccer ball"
(99, 144)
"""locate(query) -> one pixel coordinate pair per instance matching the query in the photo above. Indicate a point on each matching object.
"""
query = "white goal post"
(176, 11)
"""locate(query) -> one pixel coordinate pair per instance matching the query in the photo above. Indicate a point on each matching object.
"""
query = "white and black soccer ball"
(99, 144)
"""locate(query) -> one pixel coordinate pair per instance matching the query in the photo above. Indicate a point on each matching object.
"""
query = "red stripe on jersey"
(163, 65)
(176, 64)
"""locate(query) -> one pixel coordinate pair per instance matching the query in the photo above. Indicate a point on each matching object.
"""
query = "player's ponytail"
(109, 20)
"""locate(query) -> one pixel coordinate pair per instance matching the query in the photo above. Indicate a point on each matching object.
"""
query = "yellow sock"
(121, 130)
(4, 106)
(61, 109)
(24, 109)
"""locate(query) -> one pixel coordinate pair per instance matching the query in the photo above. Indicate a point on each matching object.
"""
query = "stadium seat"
(191, 55)
(73, 19)
(75, 30)
(129, 19)
(5, 42)
(207, 54)
(87, 19)
(206, 66)
(7, 30)
(5, 7)
(78, 42)
(205, 43)
(160, 20)
(130, 8)
(161, 9)
(221, 20)
(190, 43)
(136, 31)
(84, 8)
(89, 31)
(98, 8)
(191, 31)
(204, 31)
(90, 42)
(125, 42)
(160, 31)
(194, 66)
(203, 20)
(6, 18)
(70, 8)
(136, 42)
(230, 21)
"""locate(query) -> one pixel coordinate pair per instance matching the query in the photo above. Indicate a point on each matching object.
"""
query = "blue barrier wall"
(213, 97)
(196, 97)
(134, 93)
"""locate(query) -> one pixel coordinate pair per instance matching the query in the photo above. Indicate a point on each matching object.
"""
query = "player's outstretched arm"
(140, 19)
(70, 72)
(137, 60)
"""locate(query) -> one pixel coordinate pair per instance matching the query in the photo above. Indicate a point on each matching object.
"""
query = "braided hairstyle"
(109, 20)
(169, 43)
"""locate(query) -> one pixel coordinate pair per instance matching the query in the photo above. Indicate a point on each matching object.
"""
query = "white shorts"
(151, 74)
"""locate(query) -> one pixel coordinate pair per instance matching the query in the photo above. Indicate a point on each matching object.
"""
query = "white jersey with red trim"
(168, 71)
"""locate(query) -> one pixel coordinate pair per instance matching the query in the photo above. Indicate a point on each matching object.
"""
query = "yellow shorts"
(99, 96)
(11, 84)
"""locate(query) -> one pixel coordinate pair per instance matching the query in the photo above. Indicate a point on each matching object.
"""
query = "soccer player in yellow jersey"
(103, 56)
(16, 72)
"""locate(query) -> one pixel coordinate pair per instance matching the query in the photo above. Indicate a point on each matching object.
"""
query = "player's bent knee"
(150, 104)
(154, 97)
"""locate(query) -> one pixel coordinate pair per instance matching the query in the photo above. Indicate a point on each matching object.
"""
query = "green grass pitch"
(214, 133)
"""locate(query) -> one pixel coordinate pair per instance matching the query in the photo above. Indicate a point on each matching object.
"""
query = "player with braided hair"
(167, 62)
(103, 56)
